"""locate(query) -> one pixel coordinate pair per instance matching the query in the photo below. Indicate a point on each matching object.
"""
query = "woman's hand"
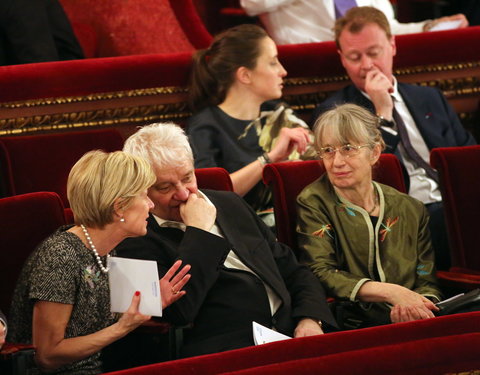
(132, 318)
(171, 288)
(287, 141)
(409, 305)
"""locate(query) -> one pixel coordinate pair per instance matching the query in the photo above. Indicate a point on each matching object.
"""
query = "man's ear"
(342, 58)
(243, 75)
(394, 45)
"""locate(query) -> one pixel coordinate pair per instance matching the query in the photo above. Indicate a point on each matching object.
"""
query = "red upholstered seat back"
(322, 346)
(130, 27)
(439, 355)
(213, 178)
(26, 220)
(43, 162)
(287, 180)
(458, 169)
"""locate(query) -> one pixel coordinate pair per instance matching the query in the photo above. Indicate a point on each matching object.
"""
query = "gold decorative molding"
(471, 372)
(142, 106)
(115, 95)
(137, 115)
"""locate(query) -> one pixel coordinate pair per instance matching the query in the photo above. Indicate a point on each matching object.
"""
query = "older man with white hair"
(240, 273)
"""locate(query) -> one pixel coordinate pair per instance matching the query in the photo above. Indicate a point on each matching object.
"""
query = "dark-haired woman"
(230, 81)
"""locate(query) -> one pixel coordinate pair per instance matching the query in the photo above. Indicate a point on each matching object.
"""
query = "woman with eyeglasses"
(368, 243)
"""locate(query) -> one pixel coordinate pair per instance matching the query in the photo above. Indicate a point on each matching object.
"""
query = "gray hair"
(162, 144)
(349, 123)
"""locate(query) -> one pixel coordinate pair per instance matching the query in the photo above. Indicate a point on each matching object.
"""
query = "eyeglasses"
(346, 151)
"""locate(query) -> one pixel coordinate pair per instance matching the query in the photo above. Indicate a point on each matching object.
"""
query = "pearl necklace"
(94, 249)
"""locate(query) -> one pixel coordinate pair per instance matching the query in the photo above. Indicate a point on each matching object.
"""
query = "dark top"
(222, 303)
(35, 31)
(63, 270)
(214, 136)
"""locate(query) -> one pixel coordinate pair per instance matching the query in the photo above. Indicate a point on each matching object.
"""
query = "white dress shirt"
(231, 261)
(308, 21)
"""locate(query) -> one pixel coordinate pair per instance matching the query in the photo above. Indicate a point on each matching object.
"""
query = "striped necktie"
(410, 150)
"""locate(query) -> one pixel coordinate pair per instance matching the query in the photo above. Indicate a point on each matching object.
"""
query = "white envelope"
(126, 276)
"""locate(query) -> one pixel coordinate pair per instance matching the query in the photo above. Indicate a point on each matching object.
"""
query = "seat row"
(42, 163)
(433, 346)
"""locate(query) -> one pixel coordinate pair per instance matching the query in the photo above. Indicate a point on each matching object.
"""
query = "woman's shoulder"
(206, 116)
(319, 189)
(395, 197)
(60, 245)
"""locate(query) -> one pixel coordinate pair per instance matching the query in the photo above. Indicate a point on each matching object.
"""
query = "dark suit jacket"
(437, 122)
(35, 31)
(221, 303)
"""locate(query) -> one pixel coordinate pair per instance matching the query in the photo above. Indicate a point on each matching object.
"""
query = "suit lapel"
(240, 244)
(418, 109)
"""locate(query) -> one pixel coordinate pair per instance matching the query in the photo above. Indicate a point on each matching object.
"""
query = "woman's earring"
(122, 219)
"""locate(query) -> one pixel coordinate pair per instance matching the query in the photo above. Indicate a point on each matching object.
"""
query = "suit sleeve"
(203, 251)
(308, 297)
(460, 135)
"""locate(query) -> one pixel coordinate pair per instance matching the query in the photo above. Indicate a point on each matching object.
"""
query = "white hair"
(162, 144)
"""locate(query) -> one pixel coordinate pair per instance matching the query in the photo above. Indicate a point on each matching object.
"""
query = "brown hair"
(357, 17)
(213, 69)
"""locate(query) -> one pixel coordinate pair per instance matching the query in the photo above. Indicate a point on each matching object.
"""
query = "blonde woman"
(62, 303)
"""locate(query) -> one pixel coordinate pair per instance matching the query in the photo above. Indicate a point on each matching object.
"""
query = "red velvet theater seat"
(43, 162)
(131, 27)
(460, 186)
(214, 179)
(287, 180)
(26, 220)
(316, 346)
(439, 355)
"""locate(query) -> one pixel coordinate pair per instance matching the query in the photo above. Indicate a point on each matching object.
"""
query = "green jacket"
(345, 251)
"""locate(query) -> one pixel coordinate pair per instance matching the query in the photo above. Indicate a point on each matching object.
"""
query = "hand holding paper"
(127, 276)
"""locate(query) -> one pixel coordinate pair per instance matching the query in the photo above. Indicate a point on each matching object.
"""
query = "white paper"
(126, 276)
(264, 335)
(449, 299)
(446, 25)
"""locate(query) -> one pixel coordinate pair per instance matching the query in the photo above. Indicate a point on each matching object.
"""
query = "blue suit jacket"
(434, 117)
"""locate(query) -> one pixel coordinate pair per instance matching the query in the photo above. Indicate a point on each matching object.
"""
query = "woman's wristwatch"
(264, 159)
